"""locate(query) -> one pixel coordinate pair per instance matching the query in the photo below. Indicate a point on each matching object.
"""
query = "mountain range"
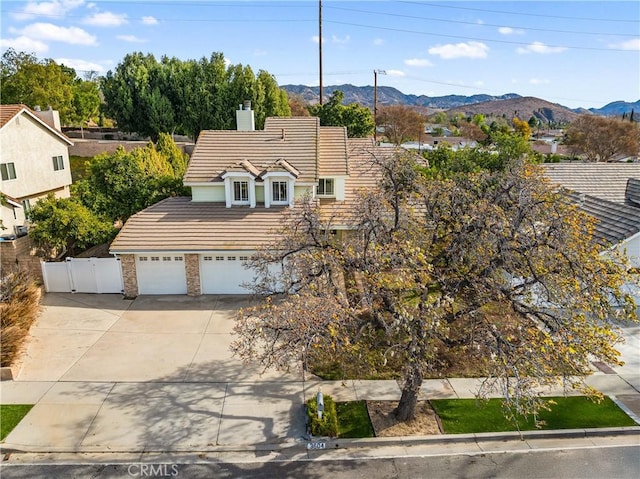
(508, 104)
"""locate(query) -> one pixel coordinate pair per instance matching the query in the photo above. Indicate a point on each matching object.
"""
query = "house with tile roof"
(610, 192)
(34, 161)
(241, 182)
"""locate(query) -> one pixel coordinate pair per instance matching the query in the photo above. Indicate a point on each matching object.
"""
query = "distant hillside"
(617, 108)
(485, 104)
(363, 95)
(522, 107)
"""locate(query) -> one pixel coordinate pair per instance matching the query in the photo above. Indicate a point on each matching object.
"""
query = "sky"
(575, 53)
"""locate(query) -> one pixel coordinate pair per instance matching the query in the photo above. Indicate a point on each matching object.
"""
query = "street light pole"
(375, 102)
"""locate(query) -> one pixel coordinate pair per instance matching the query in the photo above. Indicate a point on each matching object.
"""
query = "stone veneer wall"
(19, 253)
(129, 275)
(192, 269)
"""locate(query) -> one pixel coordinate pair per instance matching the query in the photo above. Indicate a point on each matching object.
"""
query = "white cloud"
(539, 81)
(130, 39)
(149, 20)
(80, 65)
(510, 31)
(395, 73)
(478, 83)
(106, 19)
(539, 47)
(54, 33)
(24, 44)
(316, 39)
(341, 41)
(378, 41)
(418, 62)
(460, 50)
(55, 8)
(633, 44)
(259, 52)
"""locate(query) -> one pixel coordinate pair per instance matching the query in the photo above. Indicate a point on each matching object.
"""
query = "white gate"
(83, 275)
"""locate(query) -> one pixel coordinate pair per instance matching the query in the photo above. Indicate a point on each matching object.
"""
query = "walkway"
(155, 374)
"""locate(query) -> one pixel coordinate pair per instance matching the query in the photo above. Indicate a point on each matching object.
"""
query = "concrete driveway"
(154, 373)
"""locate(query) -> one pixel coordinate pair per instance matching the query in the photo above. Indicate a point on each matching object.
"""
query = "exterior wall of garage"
(192, 265)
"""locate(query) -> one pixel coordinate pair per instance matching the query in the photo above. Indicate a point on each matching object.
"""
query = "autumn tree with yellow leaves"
(421, 264)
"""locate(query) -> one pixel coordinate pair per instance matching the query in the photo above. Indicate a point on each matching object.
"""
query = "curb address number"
(316, 445)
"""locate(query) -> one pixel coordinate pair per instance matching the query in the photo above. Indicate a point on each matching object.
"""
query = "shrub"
(19, 307)
(328, 425)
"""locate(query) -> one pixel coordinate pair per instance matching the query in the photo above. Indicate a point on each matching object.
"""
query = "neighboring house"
(241, 182)
(34, 161)
(609, 192)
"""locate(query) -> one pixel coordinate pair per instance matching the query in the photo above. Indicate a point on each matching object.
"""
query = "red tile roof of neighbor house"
(8, 112)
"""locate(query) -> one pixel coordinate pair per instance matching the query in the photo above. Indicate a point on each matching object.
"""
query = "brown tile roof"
(333, 151)
(7, 112)
(293, 140)
(607, 181)
(178, 224)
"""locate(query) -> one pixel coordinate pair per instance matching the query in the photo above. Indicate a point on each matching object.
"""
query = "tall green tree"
(151, 97)
(64, 225)
(33, 82)
(426, 263)
(119, 185)
(357, 119)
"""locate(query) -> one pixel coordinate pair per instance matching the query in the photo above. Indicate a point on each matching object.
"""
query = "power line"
(522, 13)
(476, 39)
(482, 24)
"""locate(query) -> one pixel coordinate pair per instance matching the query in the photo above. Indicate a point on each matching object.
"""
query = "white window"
(326, 187)
(244, 258)
(155, 258)
(208, 258)
(219, 258)
(26, 206)
(142, 258)
(58, 163)
(178, 258)
(166, 258)
(8, 171)
(241, 191)
(231, 258)
(279, 191)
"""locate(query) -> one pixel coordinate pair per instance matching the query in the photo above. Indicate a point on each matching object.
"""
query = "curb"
(332, 444)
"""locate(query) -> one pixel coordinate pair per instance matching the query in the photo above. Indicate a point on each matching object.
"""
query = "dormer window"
(279, 192)
(326, 187)
(241, 192)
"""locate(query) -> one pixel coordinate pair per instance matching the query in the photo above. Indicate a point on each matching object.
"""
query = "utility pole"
(375, 102)
(320, 46)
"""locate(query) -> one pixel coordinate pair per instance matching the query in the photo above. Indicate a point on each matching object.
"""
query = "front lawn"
(460, 416)
(353, 419)
(10, 416)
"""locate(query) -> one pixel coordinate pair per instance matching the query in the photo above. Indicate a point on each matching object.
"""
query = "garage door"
(161, 274)
(223, 273)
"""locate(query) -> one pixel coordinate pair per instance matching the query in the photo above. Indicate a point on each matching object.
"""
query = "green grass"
(463, 416)
(353, 419)
(10, 416)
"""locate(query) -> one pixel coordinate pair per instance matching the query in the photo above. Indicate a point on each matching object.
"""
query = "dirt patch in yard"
(386, 425)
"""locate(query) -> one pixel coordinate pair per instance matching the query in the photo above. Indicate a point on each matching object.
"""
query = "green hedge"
(328, 425)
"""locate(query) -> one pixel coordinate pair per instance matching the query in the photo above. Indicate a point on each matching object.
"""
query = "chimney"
(50, 116)
(245, 120)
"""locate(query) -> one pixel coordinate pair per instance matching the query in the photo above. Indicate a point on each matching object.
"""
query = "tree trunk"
(406, 409)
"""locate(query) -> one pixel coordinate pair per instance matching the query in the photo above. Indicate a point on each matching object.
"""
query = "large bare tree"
(420, 268)
(602, 139)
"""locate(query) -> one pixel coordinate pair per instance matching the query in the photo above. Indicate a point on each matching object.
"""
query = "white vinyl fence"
(83, 275)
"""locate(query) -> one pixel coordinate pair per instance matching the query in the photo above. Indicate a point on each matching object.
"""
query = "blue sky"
(573, 53)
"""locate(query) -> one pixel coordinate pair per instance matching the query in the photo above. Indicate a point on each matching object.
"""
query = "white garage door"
(223, 273)
(161, 274)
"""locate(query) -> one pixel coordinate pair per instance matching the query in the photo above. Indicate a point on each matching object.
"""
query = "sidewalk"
(156, 375)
